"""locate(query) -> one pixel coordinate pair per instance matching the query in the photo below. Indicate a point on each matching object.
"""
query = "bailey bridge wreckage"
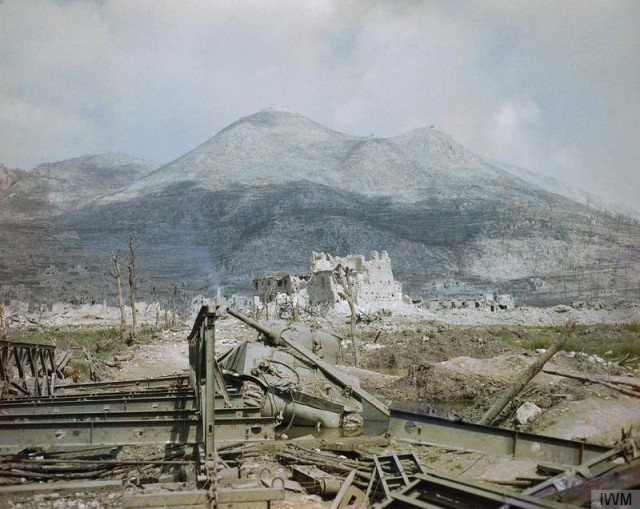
(252, 398)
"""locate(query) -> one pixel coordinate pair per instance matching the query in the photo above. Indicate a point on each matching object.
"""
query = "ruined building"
(372, 281)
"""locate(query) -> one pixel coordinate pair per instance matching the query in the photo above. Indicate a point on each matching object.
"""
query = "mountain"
(272, 147)
(66, 185)
(555, 185)
(269, 189)
(8, 177)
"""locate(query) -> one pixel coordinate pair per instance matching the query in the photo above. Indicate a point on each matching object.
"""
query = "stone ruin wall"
(373, 280)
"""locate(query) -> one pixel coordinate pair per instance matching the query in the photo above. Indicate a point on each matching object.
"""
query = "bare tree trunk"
(183, 305)
(174, 294)
(132, 284)
(352, 307)
(115, 274)
(296, 310)
(266, 305)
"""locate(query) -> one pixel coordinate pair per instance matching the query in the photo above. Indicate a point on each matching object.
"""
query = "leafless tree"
(265, 294)
(115, 274)
(346, 279)
(174, 295)
(132, 284)
(184, 308)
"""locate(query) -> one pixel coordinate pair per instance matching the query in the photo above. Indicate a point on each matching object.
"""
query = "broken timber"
(521, 381)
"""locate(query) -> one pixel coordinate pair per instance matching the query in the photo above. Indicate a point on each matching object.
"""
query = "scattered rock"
(527, 412)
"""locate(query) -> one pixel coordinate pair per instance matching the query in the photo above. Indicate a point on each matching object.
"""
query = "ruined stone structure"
(267, 288)
(373, 284)
(372, 280)
(489, 302)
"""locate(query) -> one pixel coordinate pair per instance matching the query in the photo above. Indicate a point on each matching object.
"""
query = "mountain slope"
(66, 185)
(271, 148)
(265, 192)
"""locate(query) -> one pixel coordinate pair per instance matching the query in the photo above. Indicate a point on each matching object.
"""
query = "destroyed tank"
(290, 372)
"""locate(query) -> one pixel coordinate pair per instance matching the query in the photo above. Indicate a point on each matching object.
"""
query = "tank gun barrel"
(253, 324)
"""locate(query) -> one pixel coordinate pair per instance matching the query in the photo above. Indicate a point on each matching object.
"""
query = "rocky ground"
(456, 361)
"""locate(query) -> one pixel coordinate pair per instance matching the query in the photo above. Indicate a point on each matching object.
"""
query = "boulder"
(527, 412)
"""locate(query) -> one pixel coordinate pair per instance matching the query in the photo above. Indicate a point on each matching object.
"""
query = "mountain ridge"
(272, 147)
(60, 186)
(269, 189)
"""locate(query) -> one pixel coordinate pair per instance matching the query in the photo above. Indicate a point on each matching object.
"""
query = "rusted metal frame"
(53, 373)
(59, 486)
(220, 385)
(102, 415)
(141, 383)
(436, 490)
(390, 472)
(315, 480)
(34, 362)
(96, 416)
(36, 388)
(623, 477)
(400, 468)
(436, 431)
(181, 399)
(4, 368)
(45, 371)
(349, 494)
(53, 406)
(250, 497)
(18, 353)
(379, 476)
(208, 336)
(58, 461)
(22, 344)
(82, 396)
(596, 467)
(15, 436)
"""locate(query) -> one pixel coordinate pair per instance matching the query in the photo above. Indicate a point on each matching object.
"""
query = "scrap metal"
(618, 468)
(206, 414)
(432, 430)
(428, 491)
(27, 368)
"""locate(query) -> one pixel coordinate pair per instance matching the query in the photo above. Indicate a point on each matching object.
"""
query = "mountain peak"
(274, 121)
(102, 161)
(274, 147)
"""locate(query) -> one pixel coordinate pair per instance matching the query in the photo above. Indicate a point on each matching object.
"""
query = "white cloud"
(513, 79)
(513, 130)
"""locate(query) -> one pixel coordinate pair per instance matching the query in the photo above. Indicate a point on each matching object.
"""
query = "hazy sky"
(550, 85)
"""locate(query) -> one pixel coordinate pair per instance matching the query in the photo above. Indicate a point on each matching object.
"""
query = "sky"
(549, 85)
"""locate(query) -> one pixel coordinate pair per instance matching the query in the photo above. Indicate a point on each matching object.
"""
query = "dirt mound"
(433, 344)
(446, 391)
(469, 386)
